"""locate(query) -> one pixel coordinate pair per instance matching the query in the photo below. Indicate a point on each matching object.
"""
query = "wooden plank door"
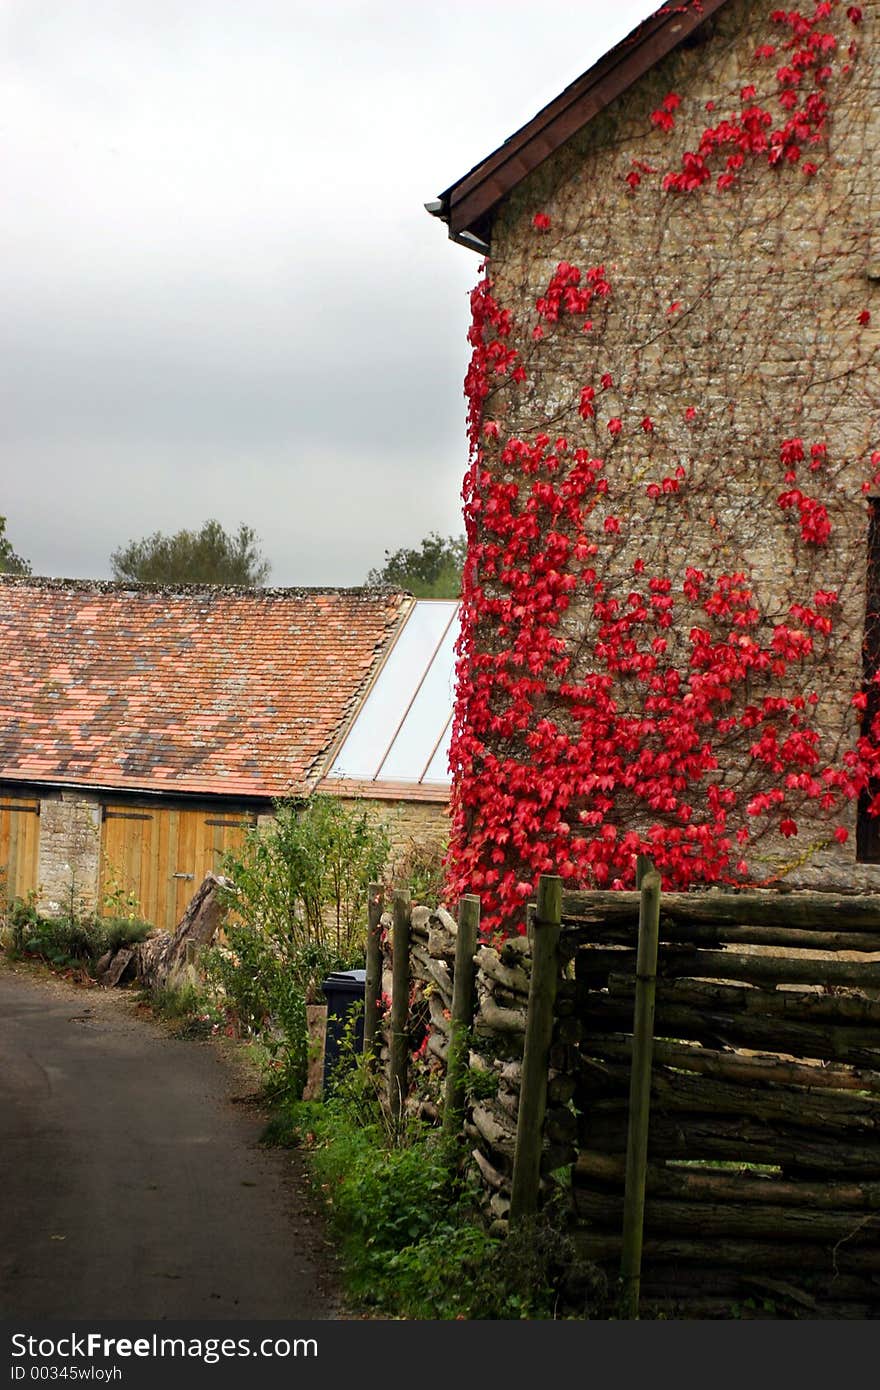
(19, 845)
(209, 836)
(162, 854)
(127, 838)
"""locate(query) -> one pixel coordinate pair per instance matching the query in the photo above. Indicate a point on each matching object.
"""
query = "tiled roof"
(191, 689)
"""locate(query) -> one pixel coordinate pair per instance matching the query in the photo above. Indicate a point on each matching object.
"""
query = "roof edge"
(19, 778)
(468, 205)
(438, 792)
(121, 586)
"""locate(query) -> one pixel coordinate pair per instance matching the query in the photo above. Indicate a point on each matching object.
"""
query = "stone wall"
(417, 829)
(70, 853)
(737, 319)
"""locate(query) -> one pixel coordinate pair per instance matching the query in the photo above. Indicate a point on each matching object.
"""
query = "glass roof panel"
(377, 724)
(439, 768)
(426, 718)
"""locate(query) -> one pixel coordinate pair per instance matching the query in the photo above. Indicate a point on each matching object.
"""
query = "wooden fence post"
(373, 981)
(539, 1033)
(398, 1068)
(462, 1012)
(640, 1094)
(644, 865)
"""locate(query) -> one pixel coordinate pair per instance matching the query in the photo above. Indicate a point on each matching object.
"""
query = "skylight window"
(402, 732)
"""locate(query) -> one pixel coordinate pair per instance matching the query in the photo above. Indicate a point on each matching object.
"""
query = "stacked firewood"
(502, 989)
(431, 957)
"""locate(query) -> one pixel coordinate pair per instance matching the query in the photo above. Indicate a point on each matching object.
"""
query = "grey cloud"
(222, 295)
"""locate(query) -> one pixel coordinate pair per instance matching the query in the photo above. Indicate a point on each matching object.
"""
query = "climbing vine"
(623, 687)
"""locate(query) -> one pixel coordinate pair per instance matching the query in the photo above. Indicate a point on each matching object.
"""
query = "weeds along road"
(132, 1184)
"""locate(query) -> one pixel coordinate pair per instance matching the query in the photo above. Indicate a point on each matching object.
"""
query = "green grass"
(413, 1237)
(186, 1008)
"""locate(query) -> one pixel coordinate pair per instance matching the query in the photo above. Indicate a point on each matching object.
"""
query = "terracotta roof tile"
(197, 689)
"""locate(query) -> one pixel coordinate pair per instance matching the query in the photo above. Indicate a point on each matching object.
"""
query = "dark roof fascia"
(468, 205)
(142, 795)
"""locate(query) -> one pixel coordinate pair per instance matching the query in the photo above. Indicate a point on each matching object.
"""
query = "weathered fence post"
(640, 1094)
(644, 865)
(462, 1012)
(539, 1032)
(399, 1042)
(373, 981)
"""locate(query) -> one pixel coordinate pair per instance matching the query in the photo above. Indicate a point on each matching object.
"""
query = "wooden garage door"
(19, 845)
(161, 855)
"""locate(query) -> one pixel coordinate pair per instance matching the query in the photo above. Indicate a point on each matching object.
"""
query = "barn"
(144, 730)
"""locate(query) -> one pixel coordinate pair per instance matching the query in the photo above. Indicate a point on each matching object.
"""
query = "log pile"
(502, 988)
(431, 957)
(763, 1181)
(764, 1144)
(495, 1056)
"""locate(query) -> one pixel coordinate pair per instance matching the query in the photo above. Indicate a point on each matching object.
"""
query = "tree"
(432, 571)
(208, 556)
(10, 563)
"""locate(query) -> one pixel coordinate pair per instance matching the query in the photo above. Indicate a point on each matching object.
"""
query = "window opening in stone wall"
(868, 835)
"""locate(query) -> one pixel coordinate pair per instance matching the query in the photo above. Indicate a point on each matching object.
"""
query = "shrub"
(299, 912)
(414, 1240)
(18, 915)
(262, 990)
(186, 1007)
(71, 941)
(123, 931)
(64, 940)
(303, 880)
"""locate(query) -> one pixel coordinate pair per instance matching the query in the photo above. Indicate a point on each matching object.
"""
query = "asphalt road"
(131, 1183)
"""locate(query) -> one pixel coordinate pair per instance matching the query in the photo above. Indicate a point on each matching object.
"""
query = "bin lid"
(342, 980)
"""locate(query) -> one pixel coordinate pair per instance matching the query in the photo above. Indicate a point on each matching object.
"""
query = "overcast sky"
(222, 296)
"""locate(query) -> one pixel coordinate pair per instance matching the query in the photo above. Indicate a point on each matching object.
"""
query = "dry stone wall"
(415, 828)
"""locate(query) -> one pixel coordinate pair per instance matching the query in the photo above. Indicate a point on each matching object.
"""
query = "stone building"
(674, 401)
(144, 730)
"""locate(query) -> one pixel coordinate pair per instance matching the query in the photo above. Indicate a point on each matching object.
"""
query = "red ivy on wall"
(576, 748)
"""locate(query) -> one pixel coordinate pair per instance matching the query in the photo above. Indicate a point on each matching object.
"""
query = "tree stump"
(159, 960)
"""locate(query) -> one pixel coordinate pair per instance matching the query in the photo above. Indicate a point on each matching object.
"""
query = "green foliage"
(481, 1083)
(10, 563)
(413, 1238)
(118, 901)
(187, 1008)
(298, 912)
(23, 911)
(77, 940)
(431, 571)
(259, 981)
(462, 1270)
(303, 882)
(122, 931)
(207, 556)
(19, 915)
